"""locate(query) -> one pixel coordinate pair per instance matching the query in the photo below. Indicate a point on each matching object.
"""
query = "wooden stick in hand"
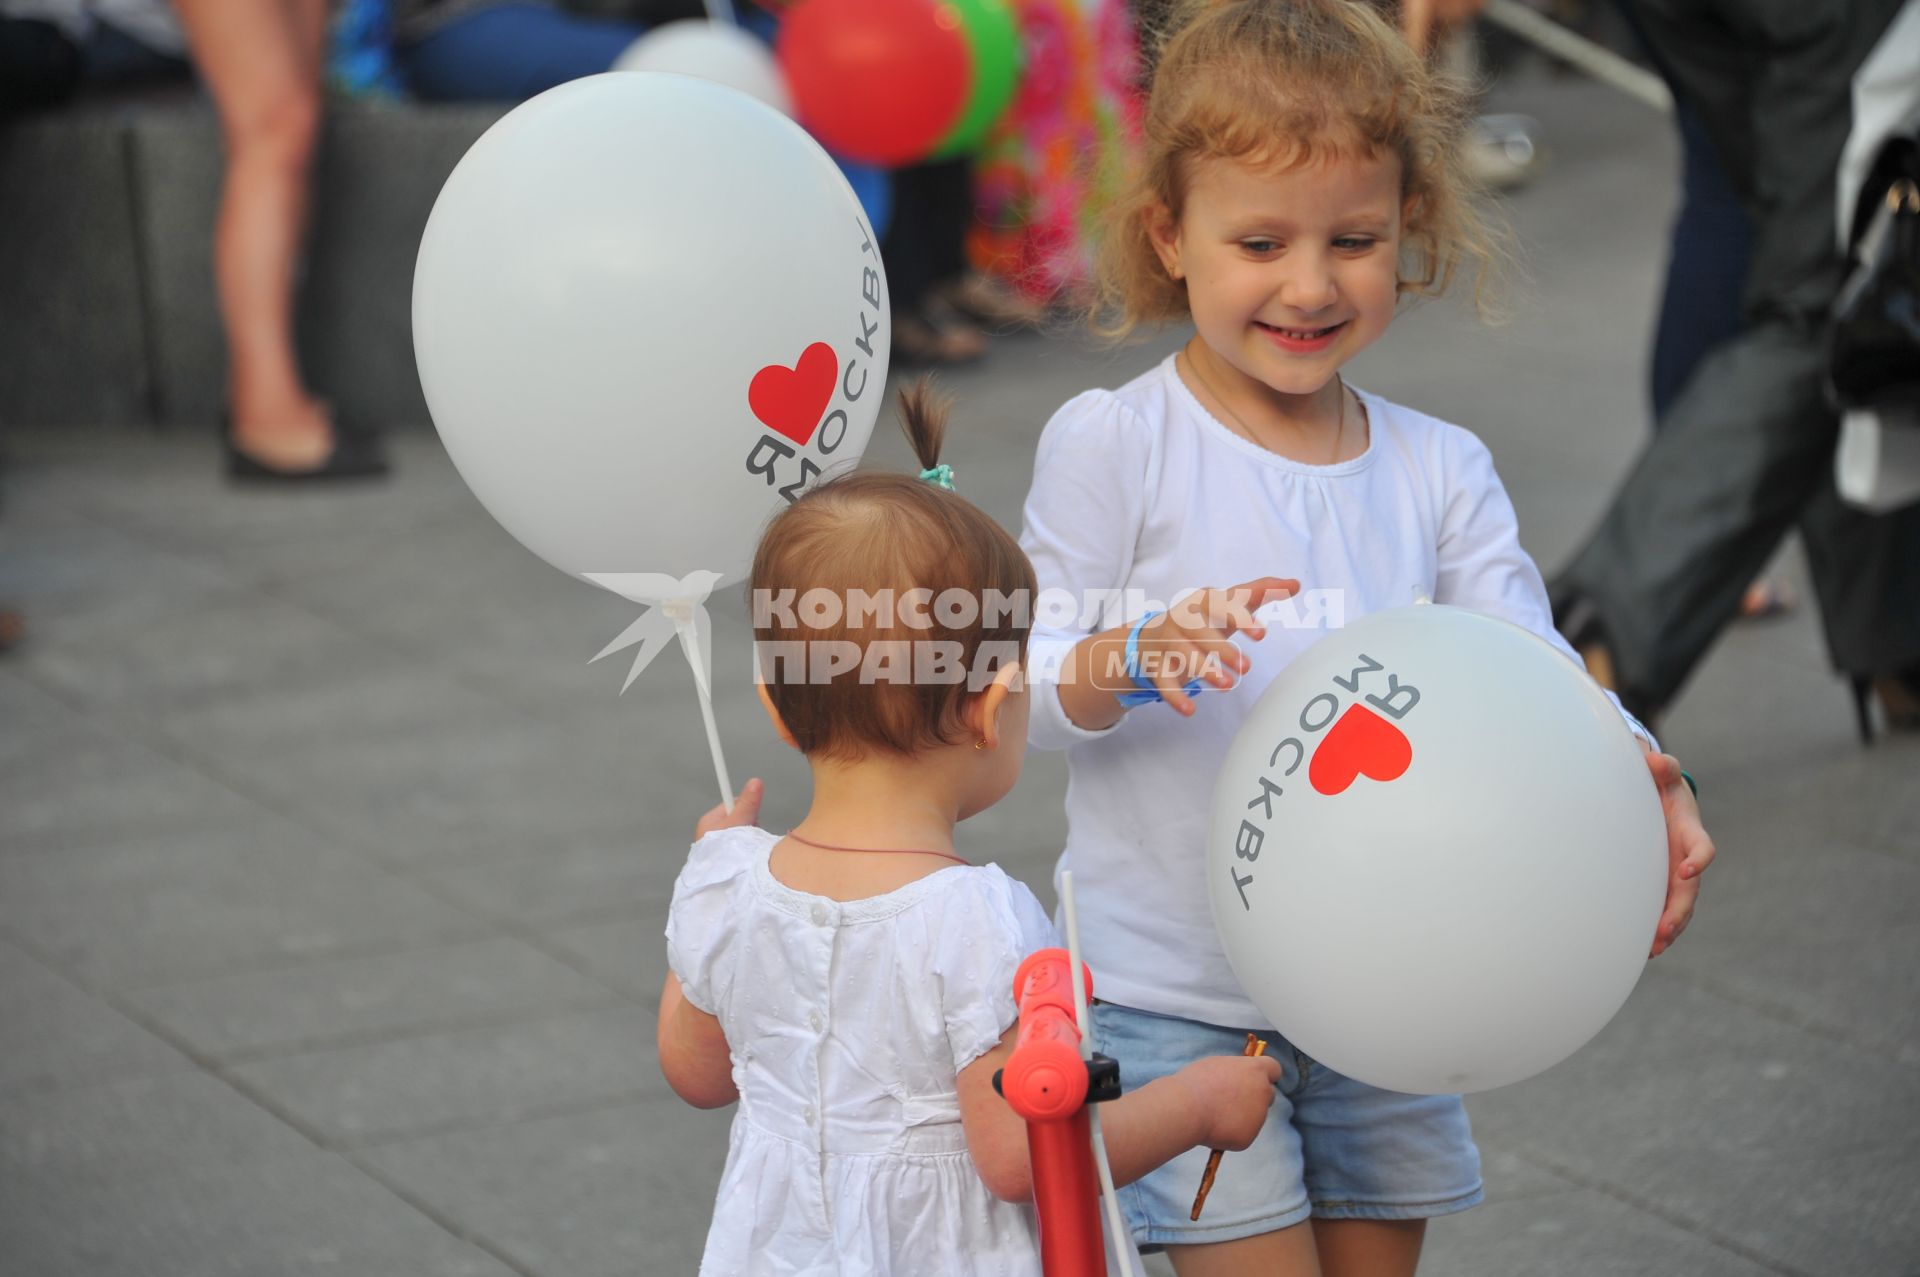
(1255, 1046)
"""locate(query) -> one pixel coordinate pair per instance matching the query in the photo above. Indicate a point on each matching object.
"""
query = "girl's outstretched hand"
(1689, 849)
(1190, 639)
(746, 811)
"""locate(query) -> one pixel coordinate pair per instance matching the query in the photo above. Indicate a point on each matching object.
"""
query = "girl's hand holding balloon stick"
(1256, 1046)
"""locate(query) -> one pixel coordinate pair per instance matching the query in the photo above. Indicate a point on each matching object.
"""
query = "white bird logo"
(675, 605)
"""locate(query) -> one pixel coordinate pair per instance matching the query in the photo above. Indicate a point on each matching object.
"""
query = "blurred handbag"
(1874, 340)
(1875, 351)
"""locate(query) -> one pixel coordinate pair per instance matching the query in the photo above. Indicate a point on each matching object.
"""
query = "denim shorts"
(1332, 1148)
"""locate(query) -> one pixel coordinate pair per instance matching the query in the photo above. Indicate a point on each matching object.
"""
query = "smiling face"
(1290, 273)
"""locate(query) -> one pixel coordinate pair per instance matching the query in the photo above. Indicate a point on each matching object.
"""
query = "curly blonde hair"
(1287, 83)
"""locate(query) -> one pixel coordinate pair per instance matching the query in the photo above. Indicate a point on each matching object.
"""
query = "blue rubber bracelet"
(1148, 693)
(1690, 782)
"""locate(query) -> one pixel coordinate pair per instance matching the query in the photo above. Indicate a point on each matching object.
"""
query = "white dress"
(849, 1022)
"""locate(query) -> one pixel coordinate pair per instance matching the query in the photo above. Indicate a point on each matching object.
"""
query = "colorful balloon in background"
(1048, 171)
(993, 51)
(879, 81)
(648, 312)
(1436, 857)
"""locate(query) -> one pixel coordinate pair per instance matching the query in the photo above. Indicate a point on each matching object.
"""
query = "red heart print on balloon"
(1361, 744)
(791, 400)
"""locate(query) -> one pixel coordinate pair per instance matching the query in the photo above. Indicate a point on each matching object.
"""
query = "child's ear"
(982, 714)
(1163, 230)
(773, 715)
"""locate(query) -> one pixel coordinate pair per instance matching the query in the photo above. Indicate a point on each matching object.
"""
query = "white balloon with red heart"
(1436, 856)
(648, 312)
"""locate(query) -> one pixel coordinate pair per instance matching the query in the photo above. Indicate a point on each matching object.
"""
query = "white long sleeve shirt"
(1140, 495)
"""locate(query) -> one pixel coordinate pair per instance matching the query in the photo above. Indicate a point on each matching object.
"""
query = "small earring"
(981, 743)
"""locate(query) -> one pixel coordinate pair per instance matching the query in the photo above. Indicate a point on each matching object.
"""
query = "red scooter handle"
(1046, 1081)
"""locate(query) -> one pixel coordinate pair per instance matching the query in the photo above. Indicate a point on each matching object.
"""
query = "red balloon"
(879, 81)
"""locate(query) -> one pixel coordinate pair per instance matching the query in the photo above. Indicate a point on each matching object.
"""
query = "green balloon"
(993, 44)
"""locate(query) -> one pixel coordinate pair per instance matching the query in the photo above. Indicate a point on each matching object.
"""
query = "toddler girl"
(1301, 175)
(851, 983)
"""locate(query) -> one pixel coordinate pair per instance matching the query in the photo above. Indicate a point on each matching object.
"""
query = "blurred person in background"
(510, 50)
(49, 49)
(1745, 449)
(262, 62)
(925, 249)
(1707, 257)
(39, 65)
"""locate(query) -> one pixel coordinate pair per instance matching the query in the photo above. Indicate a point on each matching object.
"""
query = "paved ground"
(332, 877)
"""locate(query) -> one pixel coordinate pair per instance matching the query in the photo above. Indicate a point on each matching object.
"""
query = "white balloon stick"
(1079, 973)
(683, 622)
(721, 11)
(1116, 1226)
(1581, 53)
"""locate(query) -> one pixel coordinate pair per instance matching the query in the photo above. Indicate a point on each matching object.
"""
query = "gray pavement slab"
(181, 658)
(282, 1010)
(1512, 1178)
(77, 570)
(309, 1216)
(1784, 934)
(376, 696)
(138, 1128)
(622, 1190)
(1683, 1103)
(1581, 1232)
(58, 1034)
(1866, 798)
(450, 791)
(145, 492)
(576, 880)
(202, 902)
(74, 781)
(427, 1083)
(1737, 1084)
(628, 953)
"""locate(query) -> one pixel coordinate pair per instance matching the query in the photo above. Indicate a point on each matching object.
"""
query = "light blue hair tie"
(941, 476)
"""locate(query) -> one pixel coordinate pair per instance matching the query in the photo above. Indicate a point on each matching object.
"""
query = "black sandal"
(921, 339)
(354, 455)
(1578, 621)
(1899, 697)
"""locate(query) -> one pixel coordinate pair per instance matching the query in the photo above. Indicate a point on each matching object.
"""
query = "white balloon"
(711, 51)
(1436, 856)
(648, 312)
